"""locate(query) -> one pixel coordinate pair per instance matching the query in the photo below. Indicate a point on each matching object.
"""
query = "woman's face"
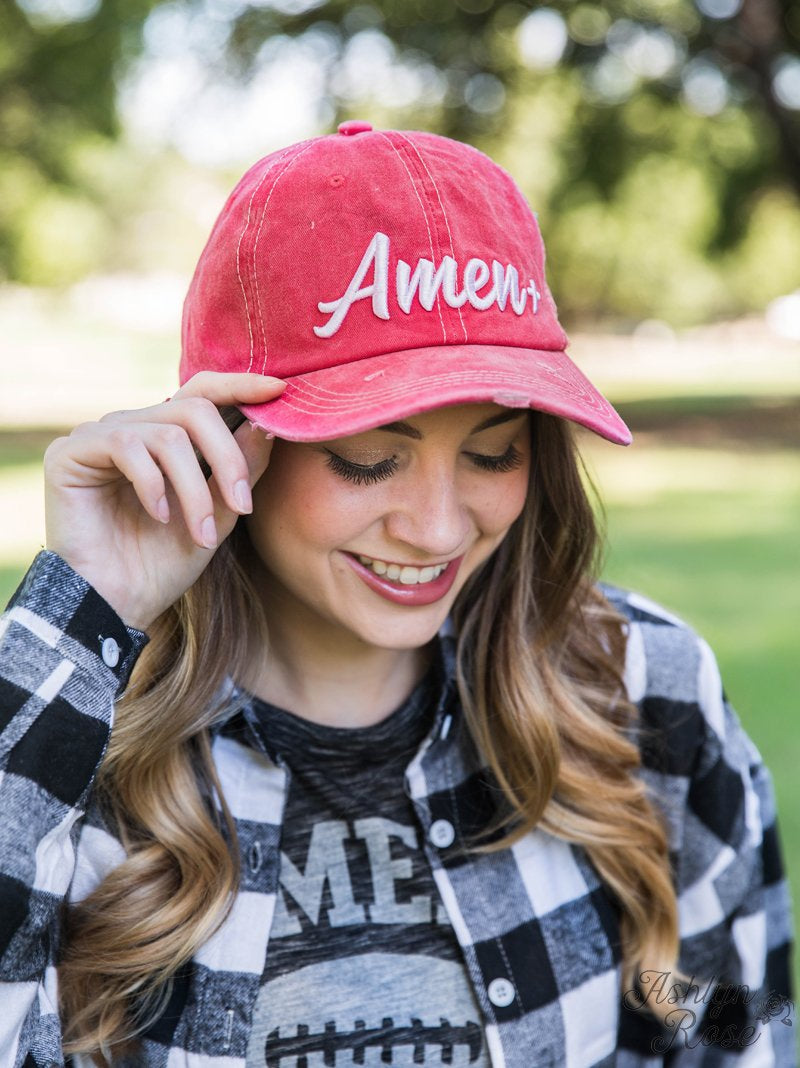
(371, 537)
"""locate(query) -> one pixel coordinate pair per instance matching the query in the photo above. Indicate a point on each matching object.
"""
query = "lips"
(411, 585)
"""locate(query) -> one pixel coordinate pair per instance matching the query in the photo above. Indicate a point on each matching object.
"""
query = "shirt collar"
(239, 718)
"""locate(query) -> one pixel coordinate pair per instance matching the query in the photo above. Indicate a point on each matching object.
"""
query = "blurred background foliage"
(658, 139)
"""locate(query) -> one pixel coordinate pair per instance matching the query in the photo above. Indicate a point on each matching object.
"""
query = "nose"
(433, 519)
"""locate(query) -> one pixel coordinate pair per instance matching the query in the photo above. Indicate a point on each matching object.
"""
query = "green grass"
(739, 587)
(23, 448)
(10, 575)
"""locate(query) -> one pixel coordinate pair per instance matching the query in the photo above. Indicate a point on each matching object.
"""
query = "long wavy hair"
(540, 655)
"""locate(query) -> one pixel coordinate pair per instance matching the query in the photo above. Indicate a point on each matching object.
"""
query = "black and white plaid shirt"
(539, 932)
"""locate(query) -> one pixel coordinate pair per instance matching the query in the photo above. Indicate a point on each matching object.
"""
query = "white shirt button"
(501, 992)
(442, 833)
(110, 652)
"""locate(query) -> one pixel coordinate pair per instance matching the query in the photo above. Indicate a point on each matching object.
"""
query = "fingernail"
(162, 509)
(208, 532)
(242, 496)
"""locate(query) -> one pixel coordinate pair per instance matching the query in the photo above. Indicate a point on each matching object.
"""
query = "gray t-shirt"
(363, 966)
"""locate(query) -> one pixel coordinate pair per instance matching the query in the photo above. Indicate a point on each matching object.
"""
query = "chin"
(399, 631)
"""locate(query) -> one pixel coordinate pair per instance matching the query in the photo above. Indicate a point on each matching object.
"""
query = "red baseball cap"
(382, 273)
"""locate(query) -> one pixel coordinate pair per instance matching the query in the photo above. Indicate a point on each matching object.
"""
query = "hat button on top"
(354, 126)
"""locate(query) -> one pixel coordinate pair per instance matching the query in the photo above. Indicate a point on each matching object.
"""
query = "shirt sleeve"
(707, 777)
(65, 656)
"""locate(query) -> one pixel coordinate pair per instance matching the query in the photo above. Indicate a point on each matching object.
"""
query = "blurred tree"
(59, 60)
(716, 53)
(659, 139)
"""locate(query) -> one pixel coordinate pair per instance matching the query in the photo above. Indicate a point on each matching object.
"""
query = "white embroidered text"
(425, 283)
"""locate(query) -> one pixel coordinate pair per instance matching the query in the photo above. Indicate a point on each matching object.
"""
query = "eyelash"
(359, 473)
(509, 461)
(362, 475)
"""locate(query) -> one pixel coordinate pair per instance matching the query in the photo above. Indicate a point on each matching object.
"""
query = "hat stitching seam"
(427, 226)
(524, 378)
(259, 310)
(444, 216)
(238, 252)
(325, 404)
(438, 254)
(319, 409)
(440, 380)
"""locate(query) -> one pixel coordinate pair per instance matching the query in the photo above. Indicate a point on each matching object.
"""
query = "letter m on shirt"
(326, 860)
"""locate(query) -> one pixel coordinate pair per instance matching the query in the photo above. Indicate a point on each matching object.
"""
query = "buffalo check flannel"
(538, 930)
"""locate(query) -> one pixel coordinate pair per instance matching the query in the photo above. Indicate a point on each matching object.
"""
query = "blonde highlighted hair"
(540, 655)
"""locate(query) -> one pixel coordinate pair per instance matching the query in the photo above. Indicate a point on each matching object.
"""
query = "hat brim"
(335, 402)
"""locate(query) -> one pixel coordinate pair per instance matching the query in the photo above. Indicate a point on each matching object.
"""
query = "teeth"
(407, 575)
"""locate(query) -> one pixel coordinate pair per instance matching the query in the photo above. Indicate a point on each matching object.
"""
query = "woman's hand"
(127, 504)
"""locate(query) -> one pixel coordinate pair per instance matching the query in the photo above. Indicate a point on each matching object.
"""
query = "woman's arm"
(65, 656)
(132, 521)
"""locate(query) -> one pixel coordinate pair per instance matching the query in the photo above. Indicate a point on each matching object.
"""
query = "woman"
(391, 780)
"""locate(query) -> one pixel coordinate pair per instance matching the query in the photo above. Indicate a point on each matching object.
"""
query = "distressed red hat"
(382, 273)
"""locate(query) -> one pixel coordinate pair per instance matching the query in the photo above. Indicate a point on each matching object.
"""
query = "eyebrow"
(494, 420)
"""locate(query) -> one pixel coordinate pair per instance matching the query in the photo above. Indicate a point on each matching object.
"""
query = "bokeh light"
(783, 316)
(786, 82)
(588, 24)
(541, 38)
(611, 80)
(57, 12)
(484, 93)
(705, 88)
(650, 53)
(719, 9)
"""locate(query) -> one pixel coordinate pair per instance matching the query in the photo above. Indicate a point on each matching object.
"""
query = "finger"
(132, 450)
(255, 448)
(129, 455)
(172, 450)
(217, 451)
(229, 388)
(220, 388)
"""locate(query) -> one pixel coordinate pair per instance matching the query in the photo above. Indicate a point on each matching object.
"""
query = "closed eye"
(509, 461)
(361, 474)
(368, 474)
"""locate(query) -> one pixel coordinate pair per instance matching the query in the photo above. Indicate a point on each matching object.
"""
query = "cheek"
(504, 504)
(283, 503)
(297, 506)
